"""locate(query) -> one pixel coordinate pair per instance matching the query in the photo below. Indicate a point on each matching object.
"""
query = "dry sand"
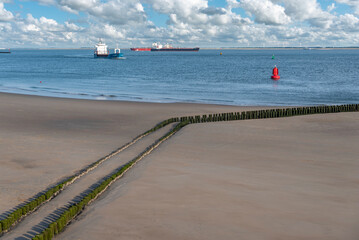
(289, 178)
(45, 139)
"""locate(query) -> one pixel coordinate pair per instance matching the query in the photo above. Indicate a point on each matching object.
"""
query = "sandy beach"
(45, 139)
(287, 178)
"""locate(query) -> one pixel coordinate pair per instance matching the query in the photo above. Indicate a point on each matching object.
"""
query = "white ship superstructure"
(166, 47)
(158, 45)
(101, 49)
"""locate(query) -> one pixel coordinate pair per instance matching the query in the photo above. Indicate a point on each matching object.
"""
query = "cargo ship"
(5, 50)
(101, 51)
(157, 47)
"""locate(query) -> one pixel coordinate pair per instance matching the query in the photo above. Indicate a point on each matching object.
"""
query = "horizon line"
(205, 48)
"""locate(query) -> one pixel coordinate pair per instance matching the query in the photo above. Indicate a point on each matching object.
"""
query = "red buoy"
(275, 74)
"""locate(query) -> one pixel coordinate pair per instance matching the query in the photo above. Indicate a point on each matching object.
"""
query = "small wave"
(43, 88)
(100, 98)
(107, 96)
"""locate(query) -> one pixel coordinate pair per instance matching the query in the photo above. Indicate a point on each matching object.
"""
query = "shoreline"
(99, 99)
(142, 102)
(146, 102)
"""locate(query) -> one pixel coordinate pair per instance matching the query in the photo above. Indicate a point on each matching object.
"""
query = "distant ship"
(5, 50)
(140, 49)
(101, 51)
(157, 47)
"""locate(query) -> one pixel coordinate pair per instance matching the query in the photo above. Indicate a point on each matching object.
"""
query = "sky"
(187, 23)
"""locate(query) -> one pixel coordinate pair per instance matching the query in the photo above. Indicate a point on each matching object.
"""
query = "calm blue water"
(238, 77)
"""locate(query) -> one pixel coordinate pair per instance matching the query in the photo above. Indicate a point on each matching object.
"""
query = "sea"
(226, 77)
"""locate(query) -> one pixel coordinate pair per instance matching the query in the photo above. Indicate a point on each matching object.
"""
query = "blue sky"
(40, 10)
(65, 23)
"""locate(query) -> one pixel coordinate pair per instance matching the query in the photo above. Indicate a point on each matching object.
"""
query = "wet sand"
(289, 178)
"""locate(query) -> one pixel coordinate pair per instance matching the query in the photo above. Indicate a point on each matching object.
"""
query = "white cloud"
(31, 31)
(30, 28)
(194, 21)
(186, 11)
(303, 10)
(79, 5)
(111, 32)
(190, 23)
(232, 4)
(213, 11)
(331, 7)
(119, 12)
(180, 7)
(73, 27)
(50, 25)
(114, 11)
(307, 10)
(266, 12)
(347, 23)
(47, 2)
(5, 15)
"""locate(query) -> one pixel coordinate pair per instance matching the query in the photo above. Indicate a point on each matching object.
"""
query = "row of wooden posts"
(16, 215)
(59, 224)
(270, 113)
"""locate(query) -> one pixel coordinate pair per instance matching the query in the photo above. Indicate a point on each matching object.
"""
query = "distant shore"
(211, 48)
(283, 48)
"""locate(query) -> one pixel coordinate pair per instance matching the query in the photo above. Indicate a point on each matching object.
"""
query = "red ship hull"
(165, 49)
(140, 49)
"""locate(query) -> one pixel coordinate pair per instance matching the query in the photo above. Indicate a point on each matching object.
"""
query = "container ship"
(157, 47)
(101, 51)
